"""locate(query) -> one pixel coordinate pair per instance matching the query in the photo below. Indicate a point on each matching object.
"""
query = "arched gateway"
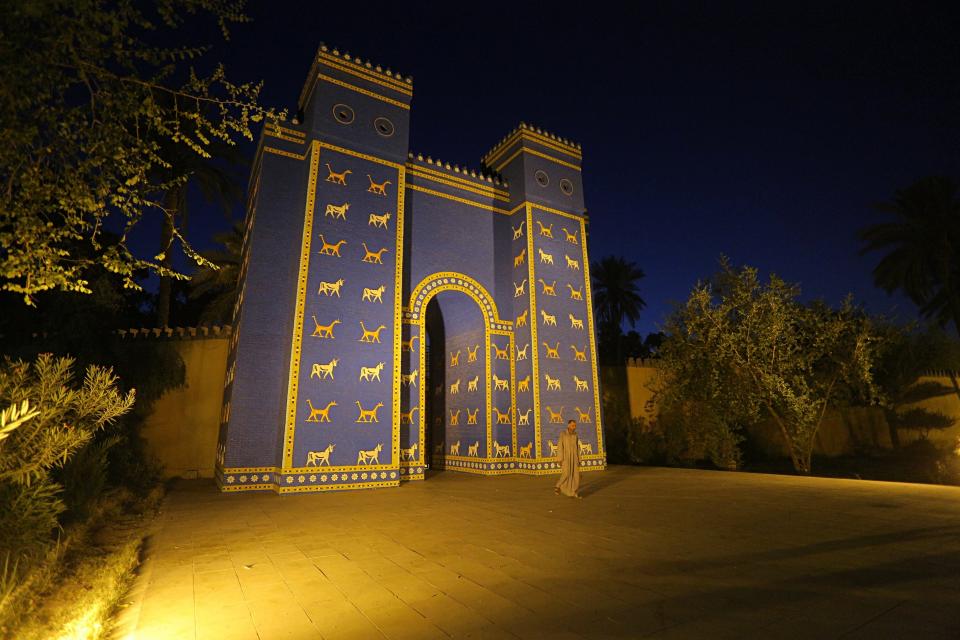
(360, 258)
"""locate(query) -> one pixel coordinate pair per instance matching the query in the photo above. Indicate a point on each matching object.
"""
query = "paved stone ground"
(662, 553)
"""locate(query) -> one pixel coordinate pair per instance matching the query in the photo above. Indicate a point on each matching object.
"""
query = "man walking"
(568, 454)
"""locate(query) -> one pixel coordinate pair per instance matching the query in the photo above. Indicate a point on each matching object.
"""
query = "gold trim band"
(472, 203)
(286, 154)
(351, 87)
(367, 74)
(534, 152)
(470, 183)
(456, 185)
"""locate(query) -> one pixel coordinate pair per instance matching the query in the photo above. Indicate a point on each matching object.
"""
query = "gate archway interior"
(456, 419)
(464, 423)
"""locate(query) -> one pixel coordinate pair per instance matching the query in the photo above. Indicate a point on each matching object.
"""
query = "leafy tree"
(739, 350)
(94, 97)
(616, 297)
(923, 248)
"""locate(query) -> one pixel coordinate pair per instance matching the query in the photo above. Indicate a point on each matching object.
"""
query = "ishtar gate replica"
(397, 313)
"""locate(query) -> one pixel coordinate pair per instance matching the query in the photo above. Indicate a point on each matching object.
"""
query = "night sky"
(763, 134)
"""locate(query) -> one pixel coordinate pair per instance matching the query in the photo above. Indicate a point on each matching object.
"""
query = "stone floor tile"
(398, 621)
(670, 552)
(341, 619)
(228, 622)
(454, 618)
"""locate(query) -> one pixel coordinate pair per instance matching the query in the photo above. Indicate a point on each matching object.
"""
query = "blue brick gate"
(361, 257)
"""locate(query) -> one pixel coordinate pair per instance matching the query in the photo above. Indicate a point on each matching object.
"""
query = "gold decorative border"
(470, 183)
(491, 316)
(415, 171)
(268, 130)
(415, 308)
(472, 203)
(557, 212)
(532, 136)
(286, 154)
(556, 145)
(366, 74)
(362, 156)
(296, 344)
(351, 87)
(592, 335)
(281, 129)
(334, 487)
(290, 427)
(398, 316)
(513, 386)
(588, 302)
(525, 149)
(532, 323)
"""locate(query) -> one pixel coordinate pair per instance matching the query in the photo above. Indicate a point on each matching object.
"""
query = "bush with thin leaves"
(64, 419)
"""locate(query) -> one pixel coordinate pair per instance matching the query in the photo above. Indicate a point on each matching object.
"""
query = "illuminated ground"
(665, 553)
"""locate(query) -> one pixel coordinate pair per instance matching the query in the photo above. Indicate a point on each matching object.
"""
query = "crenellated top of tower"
(479, 175)
(357, 66)
(534, 134)
(357, 61)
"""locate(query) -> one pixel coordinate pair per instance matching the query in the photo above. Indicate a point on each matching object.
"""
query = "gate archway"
(462, 457)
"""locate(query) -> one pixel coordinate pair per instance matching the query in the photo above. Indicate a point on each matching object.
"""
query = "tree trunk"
(798, 462)
(170, 202)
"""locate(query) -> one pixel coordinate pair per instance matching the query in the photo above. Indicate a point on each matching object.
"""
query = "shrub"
(65, 419)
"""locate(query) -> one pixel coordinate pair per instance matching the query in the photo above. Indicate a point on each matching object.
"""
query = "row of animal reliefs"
(553, 353)
(473, 450)
(586, 448)
(546, 231)
(523, 418)
(545, 258)
(339, 212)
(333, 249)
(471, 355)
(341, 177)
(502, 417)
(547, 289)
(554, 384)
(321, 458)
(325, 371)
(557, 417)
(326, 331)
(322, 414)
(335, 288)
(550, 320)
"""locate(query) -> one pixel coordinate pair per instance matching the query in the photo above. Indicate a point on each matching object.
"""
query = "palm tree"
(217, 289)
(616, 298)
(923, 244)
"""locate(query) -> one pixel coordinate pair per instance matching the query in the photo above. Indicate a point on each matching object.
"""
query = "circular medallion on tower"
(541, 177)
(343, 114)
(383, 126)
(566, 186)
